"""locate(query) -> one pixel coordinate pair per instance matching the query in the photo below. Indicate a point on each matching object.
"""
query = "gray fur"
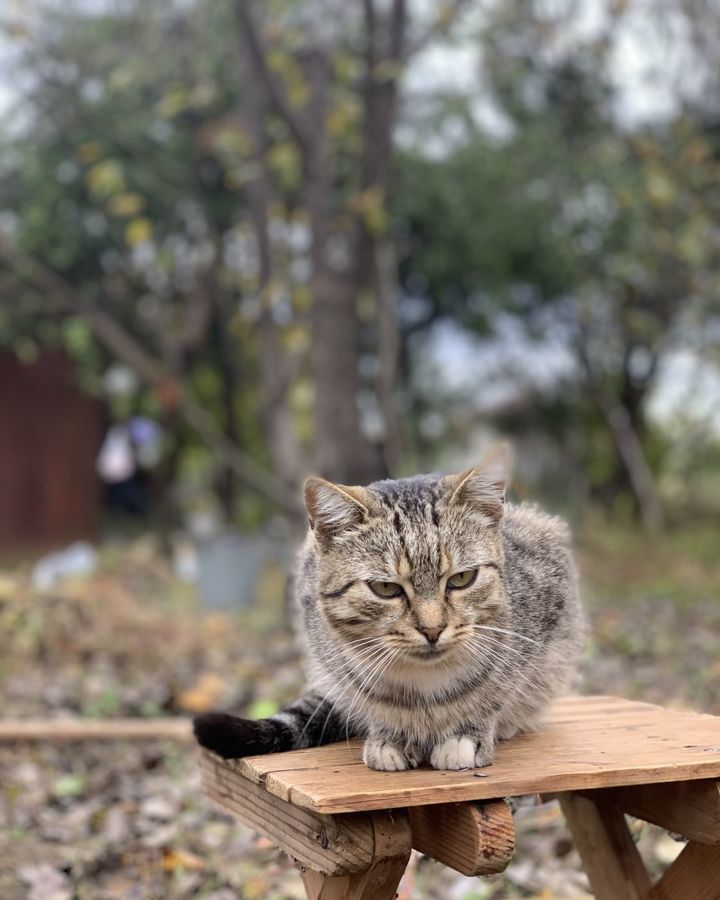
(507, 645)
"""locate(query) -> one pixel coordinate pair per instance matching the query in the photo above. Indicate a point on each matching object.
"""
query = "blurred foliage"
(125, 172)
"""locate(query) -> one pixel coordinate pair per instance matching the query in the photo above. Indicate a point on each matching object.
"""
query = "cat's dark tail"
(309, 722)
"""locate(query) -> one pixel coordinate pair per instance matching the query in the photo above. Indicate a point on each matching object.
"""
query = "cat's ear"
(484, 485)
(332, 508)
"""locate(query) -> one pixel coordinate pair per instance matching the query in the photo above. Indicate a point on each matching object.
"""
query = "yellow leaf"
(230, 141)
(127, 204)
(105, 178)
(290, 72)
(302, 298)
(370, 204)
(89, 151)
(296, 339)
(216, 624)
(182, 859)
(138, 231)
(342, 118)
(284, 160)
(174, 101)
(8, 586)
(660, 189)
(203, 695)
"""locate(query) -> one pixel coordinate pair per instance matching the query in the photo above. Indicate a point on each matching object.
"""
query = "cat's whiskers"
(377, 668)
(516, 634)
(370, 655)
(516, 667)
(349, 662)
(374, 657)
(370, 687)
(503, 668)
(502, 646)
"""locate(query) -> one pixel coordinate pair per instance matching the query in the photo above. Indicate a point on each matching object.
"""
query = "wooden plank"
(691, 808)
(617, 743)
(472, 838)
(610, 857)
(695, 875)
(567, 711)
(392, 851)
(331, 845)
(69, 730)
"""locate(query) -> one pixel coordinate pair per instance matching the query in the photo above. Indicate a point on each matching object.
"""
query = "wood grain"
(691, 808)
(610, 857)
(330, 845)
(392, 850)
(69, 730)
(695, 875)
(472, 838)
(586, 743)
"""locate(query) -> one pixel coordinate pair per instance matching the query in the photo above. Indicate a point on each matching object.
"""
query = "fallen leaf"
(204, 694)
(182, 859)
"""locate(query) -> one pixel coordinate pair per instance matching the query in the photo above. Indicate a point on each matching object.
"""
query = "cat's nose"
(432, 634)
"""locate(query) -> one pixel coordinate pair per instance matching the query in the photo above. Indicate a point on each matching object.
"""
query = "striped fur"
(508, 642)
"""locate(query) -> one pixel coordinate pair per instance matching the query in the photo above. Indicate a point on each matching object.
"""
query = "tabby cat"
(437, 621)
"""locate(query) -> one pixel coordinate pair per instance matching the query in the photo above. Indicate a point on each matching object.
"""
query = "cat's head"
(413, 565)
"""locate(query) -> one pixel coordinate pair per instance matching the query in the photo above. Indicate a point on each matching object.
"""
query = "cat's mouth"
(431, 652)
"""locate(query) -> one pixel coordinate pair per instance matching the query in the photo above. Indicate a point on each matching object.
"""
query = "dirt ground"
(118, 820)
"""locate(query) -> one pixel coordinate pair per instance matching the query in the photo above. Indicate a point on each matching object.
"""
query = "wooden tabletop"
(586, 742)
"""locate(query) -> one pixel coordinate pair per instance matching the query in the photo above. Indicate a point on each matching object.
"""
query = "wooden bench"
(350, 830)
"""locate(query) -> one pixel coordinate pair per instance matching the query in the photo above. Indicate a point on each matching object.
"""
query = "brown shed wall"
(50, 433)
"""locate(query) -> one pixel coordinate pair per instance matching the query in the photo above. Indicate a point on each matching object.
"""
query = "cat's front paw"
(386, 756)
(461, 751)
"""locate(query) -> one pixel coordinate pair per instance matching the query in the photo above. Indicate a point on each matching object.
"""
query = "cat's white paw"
(385, 756)
(454, 753)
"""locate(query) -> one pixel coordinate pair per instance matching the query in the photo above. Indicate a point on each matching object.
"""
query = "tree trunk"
(227, 483)
(342, 452)
(388, 350)
(634, 461)
(275, 413)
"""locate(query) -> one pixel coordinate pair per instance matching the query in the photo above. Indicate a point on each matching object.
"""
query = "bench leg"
(379, 883)
(607, 850)
(614, 866)
(392, 840)
(695, 873)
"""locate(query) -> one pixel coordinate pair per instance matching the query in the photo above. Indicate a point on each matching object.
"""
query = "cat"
(438, 620)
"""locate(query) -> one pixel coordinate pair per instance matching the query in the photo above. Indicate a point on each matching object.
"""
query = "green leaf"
(261, 709)
(70, 785)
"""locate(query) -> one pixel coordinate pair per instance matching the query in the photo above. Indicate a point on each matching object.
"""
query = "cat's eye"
(386, 589)
(462, 579)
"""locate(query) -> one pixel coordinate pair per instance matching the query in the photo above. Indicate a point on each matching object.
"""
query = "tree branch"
(439, 29)
(398, 24)
(257, 53)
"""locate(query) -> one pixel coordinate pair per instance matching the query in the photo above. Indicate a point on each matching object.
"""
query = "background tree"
(581, 229)
(261, 228)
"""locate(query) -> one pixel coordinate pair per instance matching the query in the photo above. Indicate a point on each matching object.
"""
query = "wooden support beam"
(695, 875)
(392, 851)
(691, 808)
(472, 838)
(607, 850)
(69, 730)
(328, 845)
